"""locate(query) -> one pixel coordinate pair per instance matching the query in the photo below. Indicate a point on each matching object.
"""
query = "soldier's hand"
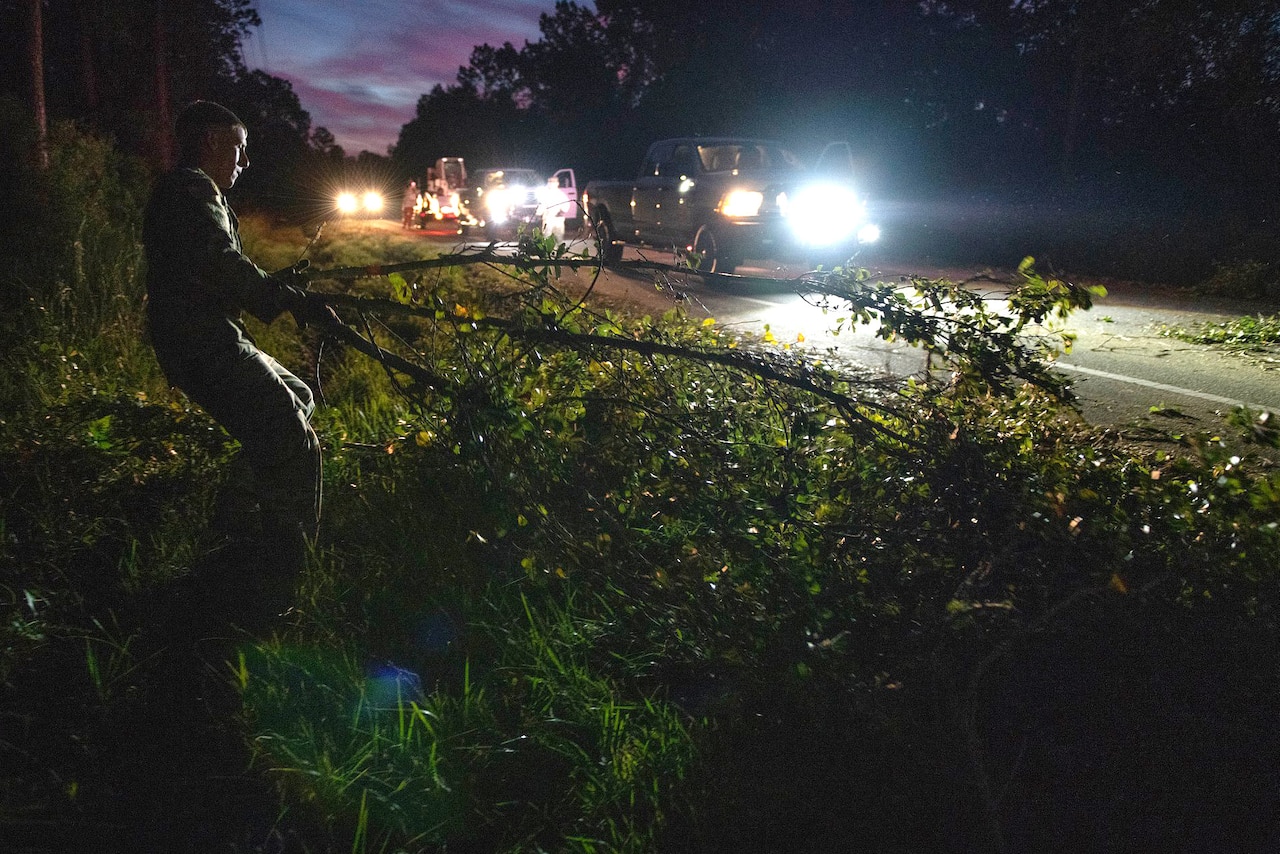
(311, 309)
(295, 276)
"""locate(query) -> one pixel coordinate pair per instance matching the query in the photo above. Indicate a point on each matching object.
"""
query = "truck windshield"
(747, 157)
(454, 176)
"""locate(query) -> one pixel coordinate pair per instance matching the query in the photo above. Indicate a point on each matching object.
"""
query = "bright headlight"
(347, 203)
(824, 214)
(373, 202)
(497, 204)
(497, 200)
(742, 203)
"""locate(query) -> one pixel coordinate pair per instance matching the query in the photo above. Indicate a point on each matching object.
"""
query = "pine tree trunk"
(35, 50)
(88, 64)
(164, 111)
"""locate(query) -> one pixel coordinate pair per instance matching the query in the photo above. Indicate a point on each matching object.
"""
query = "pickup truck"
(724, 199)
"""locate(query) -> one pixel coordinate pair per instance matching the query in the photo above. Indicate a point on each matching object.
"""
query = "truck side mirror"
(836, 160)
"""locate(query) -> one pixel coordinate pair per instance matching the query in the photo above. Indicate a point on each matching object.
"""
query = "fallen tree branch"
(420, 375)
(979, 344)
(747, 362)
(488, 255)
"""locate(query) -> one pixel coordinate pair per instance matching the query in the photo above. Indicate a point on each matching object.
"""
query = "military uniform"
(198, 281)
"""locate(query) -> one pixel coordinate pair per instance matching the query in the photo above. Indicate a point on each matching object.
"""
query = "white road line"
(1214, 398)
(764, 302)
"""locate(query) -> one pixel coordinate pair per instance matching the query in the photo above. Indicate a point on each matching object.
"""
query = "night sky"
(359, 68)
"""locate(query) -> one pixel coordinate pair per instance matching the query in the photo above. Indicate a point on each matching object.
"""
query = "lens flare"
(825, 214)
(347, 203)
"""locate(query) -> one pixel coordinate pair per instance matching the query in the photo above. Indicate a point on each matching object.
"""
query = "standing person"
(408, 204)
(198, 282)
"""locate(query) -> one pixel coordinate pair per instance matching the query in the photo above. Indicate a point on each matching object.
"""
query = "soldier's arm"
(225, 269)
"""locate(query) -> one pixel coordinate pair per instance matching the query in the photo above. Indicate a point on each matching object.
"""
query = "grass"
(148, 467)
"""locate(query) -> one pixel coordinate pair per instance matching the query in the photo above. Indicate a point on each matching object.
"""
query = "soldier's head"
(214, 139)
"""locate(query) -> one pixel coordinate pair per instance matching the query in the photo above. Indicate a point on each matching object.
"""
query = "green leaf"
(400, 290)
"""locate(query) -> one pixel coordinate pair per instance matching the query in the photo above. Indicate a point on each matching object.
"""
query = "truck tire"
(714, 257)
(610, 252)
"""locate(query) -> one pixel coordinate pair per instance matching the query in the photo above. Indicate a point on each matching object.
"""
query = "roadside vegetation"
(599, 583)
(1249, 279)
(1249, 334)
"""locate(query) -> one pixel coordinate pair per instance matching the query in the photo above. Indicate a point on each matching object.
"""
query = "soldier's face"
(225, 154)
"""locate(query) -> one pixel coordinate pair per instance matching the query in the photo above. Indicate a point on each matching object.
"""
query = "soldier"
(198, 282)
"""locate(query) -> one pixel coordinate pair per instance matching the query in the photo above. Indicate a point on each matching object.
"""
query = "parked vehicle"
(366, 202)
(724, 199)
(441, 192)
(501, 200)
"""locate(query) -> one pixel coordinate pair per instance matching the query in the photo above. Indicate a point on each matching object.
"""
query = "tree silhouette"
(119, 67)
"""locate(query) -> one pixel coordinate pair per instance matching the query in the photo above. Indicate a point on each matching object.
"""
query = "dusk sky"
(359, 68)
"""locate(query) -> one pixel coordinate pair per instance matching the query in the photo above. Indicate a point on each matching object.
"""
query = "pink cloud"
(359, 69)
(358, 121)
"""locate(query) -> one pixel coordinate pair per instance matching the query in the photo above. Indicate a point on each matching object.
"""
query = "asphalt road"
(1124, 370)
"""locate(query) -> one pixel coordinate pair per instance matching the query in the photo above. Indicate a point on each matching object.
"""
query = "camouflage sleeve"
(228, 274)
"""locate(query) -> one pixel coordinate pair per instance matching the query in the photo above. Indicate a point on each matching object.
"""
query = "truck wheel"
(610, 252)
(714, 258)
